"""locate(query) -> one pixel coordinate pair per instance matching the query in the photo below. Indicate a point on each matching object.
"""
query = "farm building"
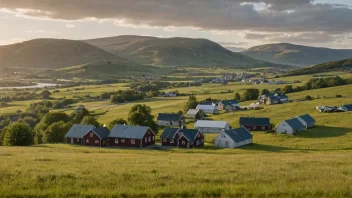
(208, 126)
(190, 138)
(76, 133)
(307, 120)
(170, 119)
(131, 136)
(228, 105)
(255, 124)
(169, 137)
(207, 108)
(283, 98)
(97, 137)
(273, 100)
(290, 127)
(346, 107)
(194, 114)
(233, 138)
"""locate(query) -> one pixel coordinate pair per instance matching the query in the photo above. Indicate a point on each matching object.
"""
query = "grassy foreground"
(63, 170)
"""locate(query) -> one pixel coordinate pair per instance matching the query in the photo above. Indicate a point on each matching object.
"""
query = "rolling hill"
(342, 65)
(298, 55)
(54, 53)
(175, 52)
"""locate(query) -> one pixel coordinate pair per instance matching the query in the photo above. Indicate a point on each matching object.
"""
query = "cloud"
(41, 32)
(70, 25)
(291, 15)
(232, 44)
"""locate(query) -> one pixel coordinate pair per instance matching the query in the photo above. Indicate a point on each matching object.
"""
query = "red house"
(131, 136)
(76, 133)
(169, 137)
(190, 138)
(255, 124)
(97, 137)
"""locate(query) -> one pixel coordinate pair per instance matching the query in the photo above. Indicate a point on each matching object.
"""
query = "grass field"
(315, 163)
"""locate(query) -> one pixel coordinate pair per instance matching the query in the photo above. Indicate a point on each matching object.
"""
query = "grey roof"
(250, 121)
(294, 123)
(239, 134)
(79, 130)
(169, 117)
(307, 118)
(272, 98)
(190, 134)
(169, 133)
(229, 102)
(282, 96)
(102, 132)
(210, 124)
(130, 132)
(212, 107)
(348, 107)
(193, 111)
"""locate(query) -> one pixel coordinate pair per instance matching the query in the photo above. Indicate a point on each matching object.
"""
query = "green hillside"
(285, 53)
(175, 52)
(53, 53)
(342, 65)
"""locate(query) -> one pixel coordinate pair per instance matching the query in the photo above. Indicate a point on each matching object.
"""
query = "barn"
(233, 138)
(291, 127)
(131, 136)
(307, 120)
(255, 124)
(97, 137)
(209, 126)
(76, 133)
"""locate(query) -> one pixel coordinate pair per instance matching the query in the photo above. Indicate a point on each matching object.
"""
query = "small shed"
(233, 138)
(169, 137)
(190, 138)
(291, 126)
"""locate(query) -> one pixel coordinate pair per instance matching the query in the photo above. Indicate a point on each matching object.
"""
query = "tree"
(45, 94)
(78, 115)
(56, 132)
(90, 120)
(288, 89)
(308, 97)
(250, 94)
(191, 103)
(141, 115)
(237, 96)
(18, 134)
(115, 122)
(265, 92)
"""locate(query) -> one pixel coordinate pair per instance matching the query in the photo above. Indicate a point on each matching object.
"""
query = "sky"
(232, 23)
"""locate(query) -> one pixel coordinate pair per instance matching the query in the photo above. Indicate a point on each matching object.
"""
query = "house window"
(201, 141)
(149, 139)
(183, 142)
(87, 141)
(171, 141)
(116, 141)
(71, 140)
(122, 140)
(153, 138)
(263, 128)
(254, 127)
(91, 134)
(145, 139)
(77, 139)
(133, 141)
(96, 141)
(164, 140)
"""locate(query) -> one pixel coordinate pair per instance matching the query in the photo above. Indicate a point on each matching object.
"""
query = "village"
(176, 135)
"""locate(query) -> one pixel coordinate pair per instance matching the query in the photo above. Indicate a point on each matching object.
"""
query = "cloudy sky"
(235, 23)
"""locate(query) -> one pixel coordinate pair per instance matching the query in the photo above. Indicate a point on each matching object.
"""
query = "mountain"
(235, 49)
(54, 53)
(298, 55)
(174, 52)
(341, 65)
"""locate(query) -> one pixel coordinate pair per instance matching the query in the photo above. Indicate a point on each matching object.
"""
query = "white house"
(208, 126)
(233, 138)
(290, 127)
(307, 120)
(207, 108)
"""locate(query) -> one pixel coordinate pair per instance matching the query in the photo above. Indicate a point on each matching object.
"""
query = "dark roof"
(130, 132)
(348, 107)
(102, 132)
(190, 134)
(250, 121)
(169, 133)
(307, 118)
(239, 134)
(169, 116)
(282, 96)
(273, 98)
(229, 102)
(79, 130)
(294, 123)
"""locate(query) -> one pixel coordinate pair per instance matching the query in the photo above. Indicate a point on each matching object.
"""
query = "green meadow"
(315, 163)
